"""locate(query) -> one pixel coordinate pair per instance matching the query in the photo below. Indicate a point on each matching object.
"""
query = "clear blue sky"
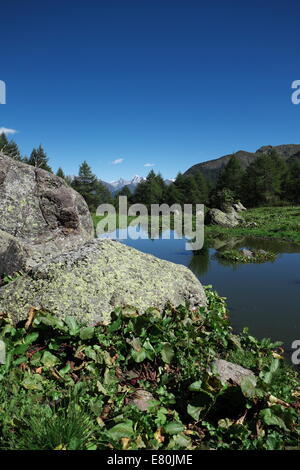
(164, 82)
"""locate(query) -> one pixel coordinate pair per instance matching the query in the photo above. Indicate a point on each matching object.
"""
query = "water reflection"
(264, 297)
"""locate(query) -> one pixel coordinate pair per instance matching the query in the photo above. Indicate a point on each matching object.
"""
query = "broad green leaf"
(51, 321)
(173, 428)
(65, 370)
(73, 326)
(120, 430)
(179, 441)
(31, 338)
(138, 356)
(167, 353)
(271, 419)
(274, 365)
(114, 326)
(194, 411)
(87, 332)
(33, 382)
(195, 386)
(150, 351)
(248, 385)
(49, 360)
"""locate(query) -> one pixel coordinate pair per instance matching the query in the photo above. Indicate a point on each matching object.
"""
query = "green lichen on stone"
(90, 282)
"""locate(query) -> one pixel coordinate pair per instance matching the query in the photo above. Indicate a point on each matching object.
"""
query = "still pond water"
(264, 297)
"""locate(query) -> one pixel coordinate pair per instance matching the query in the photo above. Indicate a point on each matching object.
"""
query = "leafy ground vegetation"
(69, 386)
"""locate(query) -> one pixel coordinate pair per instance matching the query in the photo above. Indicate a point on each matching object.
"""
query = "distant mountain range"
(116, 186)
(212, 168)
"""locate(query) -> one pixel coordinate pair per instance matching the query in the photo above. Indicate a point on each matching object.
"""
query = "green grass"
(236, 256)
(280, 223)
(68, 386)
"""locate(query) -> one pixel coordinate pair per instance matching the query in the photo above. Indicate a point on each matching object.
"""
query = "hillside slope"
(212, 168)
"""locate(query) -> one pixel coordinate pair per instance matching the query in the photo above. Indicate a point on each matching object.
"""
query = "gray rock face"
(40, 215)
(225, 219)
(89, 282)
(230, 372)
(238, 206)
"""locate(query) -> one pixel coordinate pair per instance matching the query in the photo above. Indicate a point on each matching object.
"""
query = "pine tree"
(263, 180)
(231, 177)
(202, 187)
(172, 195)
(39, 159)
(124, 192)
(60, 173)
(141, 193)
(92, 190)
(292, 183)
(12, 150)
(189, 189)
(3, 142)
(150, 191)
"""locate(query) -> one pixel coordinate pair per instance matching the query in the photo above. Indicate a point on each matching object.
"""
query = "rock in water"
(247, 253)
(88, 283)
(40, 215)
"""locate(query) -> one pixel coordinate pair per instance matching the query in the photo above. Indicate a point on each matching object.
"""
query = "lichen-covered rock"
(88, 283)
(238, 206)
(225, 219)
(39, 214)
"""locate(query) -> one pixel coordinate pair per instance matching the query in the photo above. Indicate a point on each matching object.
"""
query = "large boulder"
(40, 215)
(227, 219)
(88, 283)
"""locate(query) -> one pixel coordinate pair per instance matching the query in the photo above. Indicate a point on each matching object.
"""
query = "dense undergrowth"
(68, 386)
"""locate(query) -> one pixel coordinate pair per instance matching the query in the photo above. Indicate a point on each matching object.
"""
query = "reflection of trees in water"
(200, 261)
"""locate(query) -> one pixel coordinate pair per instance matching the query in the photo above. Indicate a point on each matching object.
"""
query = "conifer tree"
(291, 185)
(150, 191)
(231, 177)
(263, 180)
(172, 195)
(12, 150)
(3, 142)
(39, 159)
(202, 188)
(92, 190)
(60, 173)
